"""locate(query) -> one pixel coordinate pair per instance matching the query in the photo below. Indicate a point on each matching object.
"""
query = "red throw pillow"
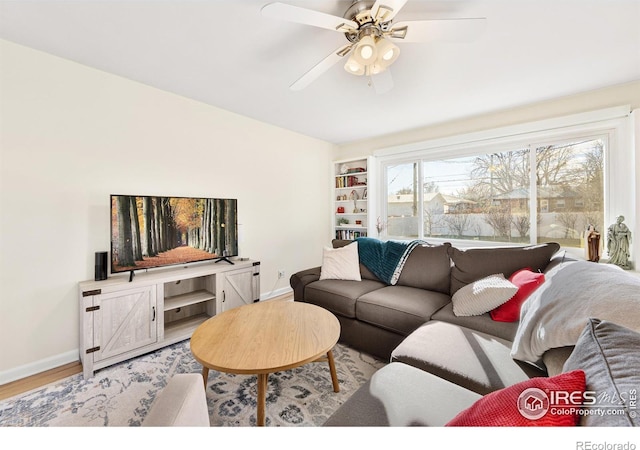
(537, 402)
(527, 282)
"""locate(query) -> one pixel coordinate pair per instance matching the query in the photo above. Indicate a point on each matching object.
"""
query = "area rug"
(121, 395)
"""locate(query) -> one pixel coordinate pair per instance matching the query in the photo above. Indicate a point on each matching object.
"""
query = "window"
(570, 177)
(402, 204)
(526, 194)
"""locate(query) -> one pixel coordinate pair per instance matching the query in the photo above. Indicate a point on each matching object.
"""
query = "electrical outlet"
(280, 274)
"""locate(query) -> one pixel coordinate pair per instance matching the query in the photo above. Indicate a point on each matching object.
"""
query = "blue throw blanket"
(385, 259)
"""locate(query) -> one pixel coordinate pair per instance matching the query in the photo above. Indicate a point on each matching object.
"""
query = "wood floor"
(50, 376)
(40, 379)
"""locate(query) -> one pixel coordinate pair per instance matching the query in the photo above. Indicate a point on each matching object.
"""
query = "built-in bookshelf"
(351, 199)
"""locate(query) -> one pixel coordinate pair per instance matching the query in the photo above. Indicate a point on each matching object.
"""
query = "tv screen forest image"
(159, 231)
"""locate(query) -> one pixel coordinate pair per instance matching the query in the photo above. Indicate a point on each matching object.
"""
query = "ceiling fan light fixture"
(376, 69)
(353, 66)
(366, 51)
(387, 52)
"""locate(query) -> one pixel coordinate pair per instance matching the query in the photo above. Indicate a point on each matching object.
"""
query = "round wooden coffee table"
(266, 337)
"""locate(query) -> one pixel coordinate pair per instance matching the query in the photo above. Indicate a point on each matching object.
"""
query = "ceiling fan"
(372, 34)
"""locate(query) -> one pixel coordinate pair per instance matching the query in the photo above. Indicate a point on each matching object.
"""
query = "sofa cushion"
(365, 273)
(340, 263)
(484, 323)
(610, 356)
(360, 410)
(554, 359)
(472, 264)
(525, 404)
(428, 267)
(527, 281)
(401, 395)
(474, 360)
(339, 296)
(400, 309)
(483, 295)
(556, 313)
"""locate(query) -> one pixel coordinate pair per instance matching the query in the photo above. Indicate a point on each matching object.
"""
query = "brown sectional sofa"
(436, 357)
(376, 318)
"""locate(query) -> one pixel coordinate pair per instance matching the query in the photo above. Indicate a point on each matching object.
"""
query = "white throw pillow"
(341, 263)
(483, 295)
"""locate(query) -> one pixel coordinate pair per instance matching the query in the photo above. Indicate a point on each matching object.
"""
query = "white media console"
(120, 319)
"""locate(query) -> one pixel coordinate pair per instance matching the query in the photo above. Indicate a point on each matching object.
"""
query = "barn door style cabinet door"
(121, 319)
(239, 287)
(122, 322)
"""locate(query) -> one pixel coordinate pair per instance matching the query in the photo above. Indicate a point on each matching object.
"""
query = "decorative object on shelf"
(340, 209)
(354, 196)
(364, 194)
(618, 243)
(344, 169)
(101, 266)
(358, 222)
(380, 225)
(592, 244)
(342, 221)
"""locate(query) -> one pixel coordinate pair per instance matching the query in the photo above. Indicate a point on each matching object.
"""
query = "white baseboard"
(39, 366)
(275, 293)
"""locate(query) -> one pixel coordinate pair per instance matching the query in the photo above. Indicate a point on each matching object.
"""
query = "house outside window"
(525, 194)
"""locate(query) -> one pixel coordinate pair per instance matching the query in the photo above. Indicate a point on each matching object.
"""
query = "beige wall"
(623, 94)
(71, 135)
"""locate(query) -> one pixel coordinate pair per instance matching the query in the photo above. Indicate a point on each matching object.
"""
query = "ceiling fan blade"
(382, 82)
(320, 68)
(305, 16)
(384, 10)
(444, 30)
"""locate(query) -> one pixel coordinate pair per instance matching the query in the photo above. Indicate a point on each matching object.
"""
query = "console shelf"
(120, 319)
(191, 298)
(175, 331)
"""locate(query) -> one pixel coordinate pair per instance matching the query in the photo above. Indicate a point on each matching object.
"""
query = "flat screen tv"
(151, 232)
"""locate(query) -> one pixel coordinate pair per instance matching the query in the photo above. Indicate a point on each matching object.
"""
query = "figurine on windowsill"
(592, 244)
(618, 243)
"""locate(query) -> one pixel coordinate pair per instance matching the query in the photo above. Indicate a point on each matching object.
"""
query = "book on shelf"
(350, 234)
(348, 181)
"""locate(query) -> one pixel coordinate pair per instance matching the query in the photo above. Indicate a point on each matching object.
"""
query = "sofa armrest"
(299, 280)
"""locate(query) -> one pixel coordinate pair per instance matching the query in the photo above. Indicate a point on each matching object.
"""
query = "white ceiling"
(225, 53)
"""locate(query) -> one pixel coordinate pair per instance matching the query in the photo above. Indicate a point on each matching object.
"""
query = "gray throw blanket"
(385, 259)
(557, 312)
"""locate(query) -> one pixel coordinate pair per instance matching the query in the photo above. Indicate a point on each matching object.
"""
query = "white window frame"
(612, 123)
